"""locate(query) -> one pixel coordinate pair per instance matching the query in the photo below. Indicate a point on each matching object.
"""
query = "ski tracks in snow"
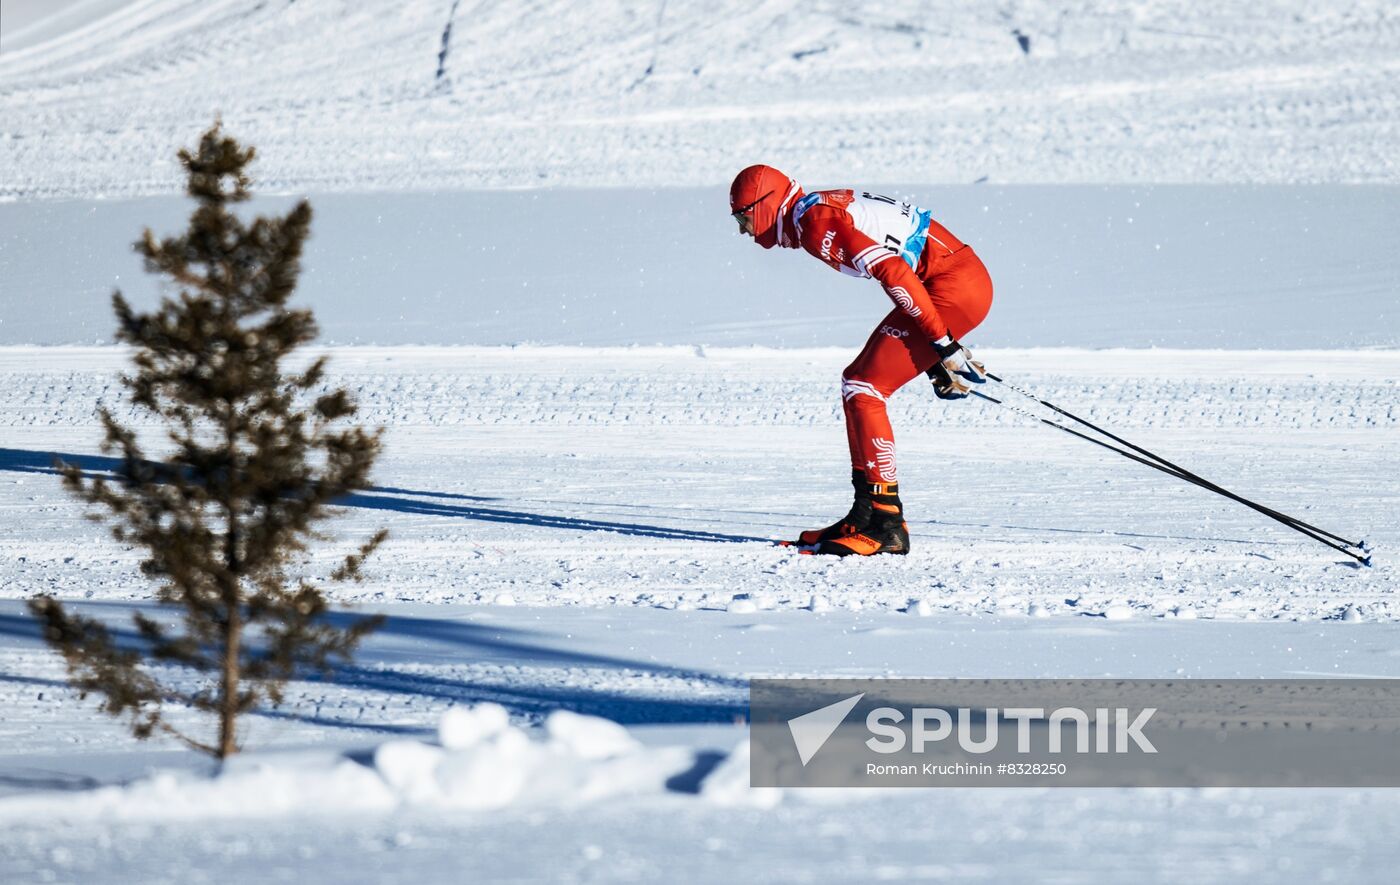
(340, 96)
(659, 477)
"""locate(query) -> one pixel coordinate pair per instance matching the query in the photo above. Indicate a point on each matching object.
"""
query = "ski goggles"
(743, 215)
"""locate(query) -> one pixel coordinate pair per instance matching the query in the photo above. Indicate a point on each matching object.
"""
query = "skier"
(941, 292)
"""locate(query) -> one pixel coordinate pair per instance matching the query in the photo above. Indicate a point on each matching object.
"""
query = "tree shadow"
(390, 658)
(397, 637)
(32, 680)
(49, 781)
(537, 700)
(400, 500)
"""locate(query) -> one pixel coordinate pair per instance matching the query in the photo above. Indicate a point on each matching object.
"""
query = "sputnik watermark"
(1113, 731)
(1039, 732)
(1101, 730)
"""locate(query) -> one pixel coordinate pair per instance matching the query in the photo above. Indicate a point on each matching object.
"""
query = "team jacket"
(868, 235)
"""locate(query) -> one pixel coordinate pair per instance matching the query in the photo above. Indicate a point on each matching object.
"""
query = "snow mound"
(741, 605)
(487, 763)
(728, 783)
(464, 727)
(588, 737)
(1118, 612)
(253, 786)
(483, 762)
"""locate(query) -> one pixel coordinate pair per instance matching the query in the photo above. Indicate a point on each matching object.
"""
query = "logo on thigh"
(892, 332)
(884, 458)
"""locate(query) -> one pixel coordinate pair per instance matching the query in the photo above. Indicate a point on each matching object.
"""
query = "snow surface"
(976, 835)
(344, 96)
(25, 23)
(626, 498)
(581, 759)
(661, 476)
(580, 578)
(1073, 266)
(677, 678)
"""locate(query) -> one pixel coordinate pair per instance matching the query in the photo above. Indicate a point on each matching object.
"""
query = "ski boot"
(875, 524)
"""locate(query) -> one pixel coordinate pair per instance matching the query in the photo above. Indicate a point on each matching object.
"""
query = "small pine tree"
(257, 458)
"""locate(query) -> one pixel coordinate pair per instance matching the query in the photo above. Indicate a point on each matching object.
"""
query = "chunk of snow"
(728, 783)
(1118, 613)
(740, 605)
(588, 737)
(503, 599)
(491, 774)
(410, 769)
(464, 727)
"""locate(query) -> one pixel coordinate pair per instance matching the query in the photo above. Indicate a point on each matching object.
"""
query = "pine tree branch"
(350, 568)
(187, 740)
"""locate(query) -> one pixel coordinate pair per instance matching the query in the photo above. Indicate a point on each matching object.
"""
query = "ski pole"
(1172, 470)
(1188, 477)
(1281, 517)
(1192, 479)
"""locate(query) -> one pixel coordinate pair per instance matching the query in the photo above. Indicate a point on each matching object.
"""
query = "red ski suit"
(938, 284)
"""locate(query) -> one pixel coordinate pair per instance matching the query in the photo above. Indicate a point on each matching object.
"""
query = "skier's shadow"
(401, 500)
(374, 500)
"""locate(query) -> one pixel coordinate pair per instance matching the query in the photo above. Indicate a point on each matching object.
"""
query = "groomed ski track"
(661, 477)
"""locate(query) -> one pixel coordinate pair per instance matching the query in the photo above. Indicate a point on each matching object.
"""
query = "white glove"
(956, 371)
